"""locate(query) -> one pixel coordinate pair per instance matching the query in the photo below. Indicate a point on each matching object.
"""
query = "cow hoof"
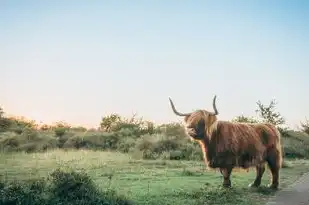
(253, 185)
(273, 186)
(227, 186)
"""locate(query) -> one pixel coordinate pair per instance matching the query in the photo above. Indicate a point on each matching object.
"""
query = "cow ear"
(209, 120)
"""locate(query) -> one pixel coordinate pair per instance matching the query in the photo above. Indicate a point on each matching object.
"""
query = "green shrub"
(294, 148)
(125, 144)
(172, 129)
(166, 147)
(27, 141)
(94, 140)
(297, 135)
(61, 187)
(305, 126)
(192, 151)
(64, 138)
(75, 141)
(169, 141)
(78, 129)
(60, 131)
(23, 192)
(5, 124)
(17, 130)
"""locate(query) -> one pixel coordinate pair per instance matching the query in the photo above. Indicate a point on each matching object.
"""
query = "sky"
(77, 61)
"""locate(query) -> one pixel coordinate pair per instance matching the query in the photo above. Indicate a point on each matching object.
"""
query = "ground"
(150, 182)
(295, 194)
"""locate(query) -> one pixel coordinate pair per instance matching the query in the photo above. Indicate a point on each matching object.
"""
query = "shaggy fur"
(228, 145)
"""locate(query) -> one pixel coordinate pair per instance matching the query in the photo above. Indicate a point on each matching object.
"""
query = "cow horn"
(175, 111)
(214, 106)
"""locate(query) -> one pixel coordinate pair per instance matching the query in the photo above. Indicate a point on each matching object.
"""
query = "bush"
(140, 138)
(60, 131)
(121, 140)
(172, 129)
(27, 141)
(5, 124)
(23, 192)
(64, 138)
(305, 126)
(166, 147)
(60, 187)
(295, 145)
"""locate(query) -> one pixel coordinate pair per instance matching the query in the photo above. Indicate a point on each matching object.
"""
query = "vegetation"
(116, 178)
(305, 127)
(126, 173)
(134, 136)
(61, 187)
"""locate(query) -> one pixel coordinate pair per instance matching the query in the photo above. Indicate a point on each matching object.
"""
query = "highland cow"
(227, 145)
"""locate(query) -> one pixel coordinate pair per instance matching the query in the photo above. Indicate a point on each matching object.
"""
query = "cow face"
(197, 122)
(195, 125)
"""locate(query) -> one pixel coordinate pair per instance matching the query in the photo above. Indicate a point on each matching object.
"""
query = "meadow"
(128, 161)
(137, 181)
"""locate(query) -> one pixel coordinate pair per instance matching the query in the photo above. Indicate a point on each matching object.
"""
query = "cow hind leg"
(226, 172)
(260, 169)
(273, 160)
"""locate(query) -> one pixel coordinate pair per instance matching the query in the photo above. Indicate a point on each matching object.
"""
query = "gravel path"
(296, 194)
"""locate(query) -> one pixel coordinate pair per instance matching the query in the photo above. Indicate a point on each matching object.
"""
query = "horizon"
(77, 62)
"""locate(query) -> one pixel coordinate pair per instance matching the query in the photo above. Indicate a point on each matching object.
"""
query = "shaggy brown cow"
(228, 145)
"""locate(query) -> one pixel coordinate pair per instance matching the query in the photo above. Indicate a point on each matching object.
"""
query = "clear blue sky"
(77, 61)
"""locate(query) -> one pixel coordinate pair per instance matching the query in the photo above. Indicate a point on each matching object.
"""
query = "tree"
(22, 122)
(60, 128)
(305, 126)
(5, 123)
(109, 121)
(268, 113)
(1, 112)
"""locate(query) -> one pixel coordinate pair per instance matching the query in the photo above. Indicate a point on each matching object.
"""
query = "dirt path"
(296, 194)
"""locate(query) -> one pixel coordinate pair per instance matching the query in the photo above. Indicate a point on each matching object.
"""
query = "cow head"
(199, 122)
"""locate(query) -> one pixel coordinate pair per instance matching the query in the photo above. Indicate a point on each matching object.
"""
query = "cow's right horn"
(175, 111)
(214, 106)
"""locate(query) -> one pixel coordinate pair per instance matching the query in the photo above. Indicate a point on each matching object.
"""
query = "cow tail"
(278, 146)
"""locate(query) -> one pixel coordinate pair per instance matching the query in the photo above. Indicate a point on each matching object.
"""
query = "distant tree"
(305, 126)
(134, 124)
(5, 123)
(60, 128)
(268, 113)
(1, 112)
(243, 118)
(149, 127)
(79, 129)
(61, 124)
(22, 122)
(108, 121)
(45, 127)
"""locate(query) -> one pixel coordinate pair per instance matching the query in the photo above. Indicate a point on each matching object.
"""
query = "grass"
(149, 181)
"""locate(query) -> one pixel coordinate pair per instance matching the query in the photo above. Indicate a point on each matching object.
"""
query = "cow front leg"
(226, 173)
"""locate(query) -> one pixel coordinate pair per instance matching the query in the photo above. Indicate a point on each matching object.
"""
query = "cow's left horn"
(214, 106)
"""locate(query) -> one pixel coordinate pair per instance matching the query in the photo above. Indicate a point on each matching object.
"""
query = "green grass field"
(149, 181)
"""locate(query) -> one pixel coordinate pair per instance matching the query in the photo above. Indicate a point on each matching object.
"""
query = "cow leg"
(226, 172)
(273, 160)
(260, 169)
